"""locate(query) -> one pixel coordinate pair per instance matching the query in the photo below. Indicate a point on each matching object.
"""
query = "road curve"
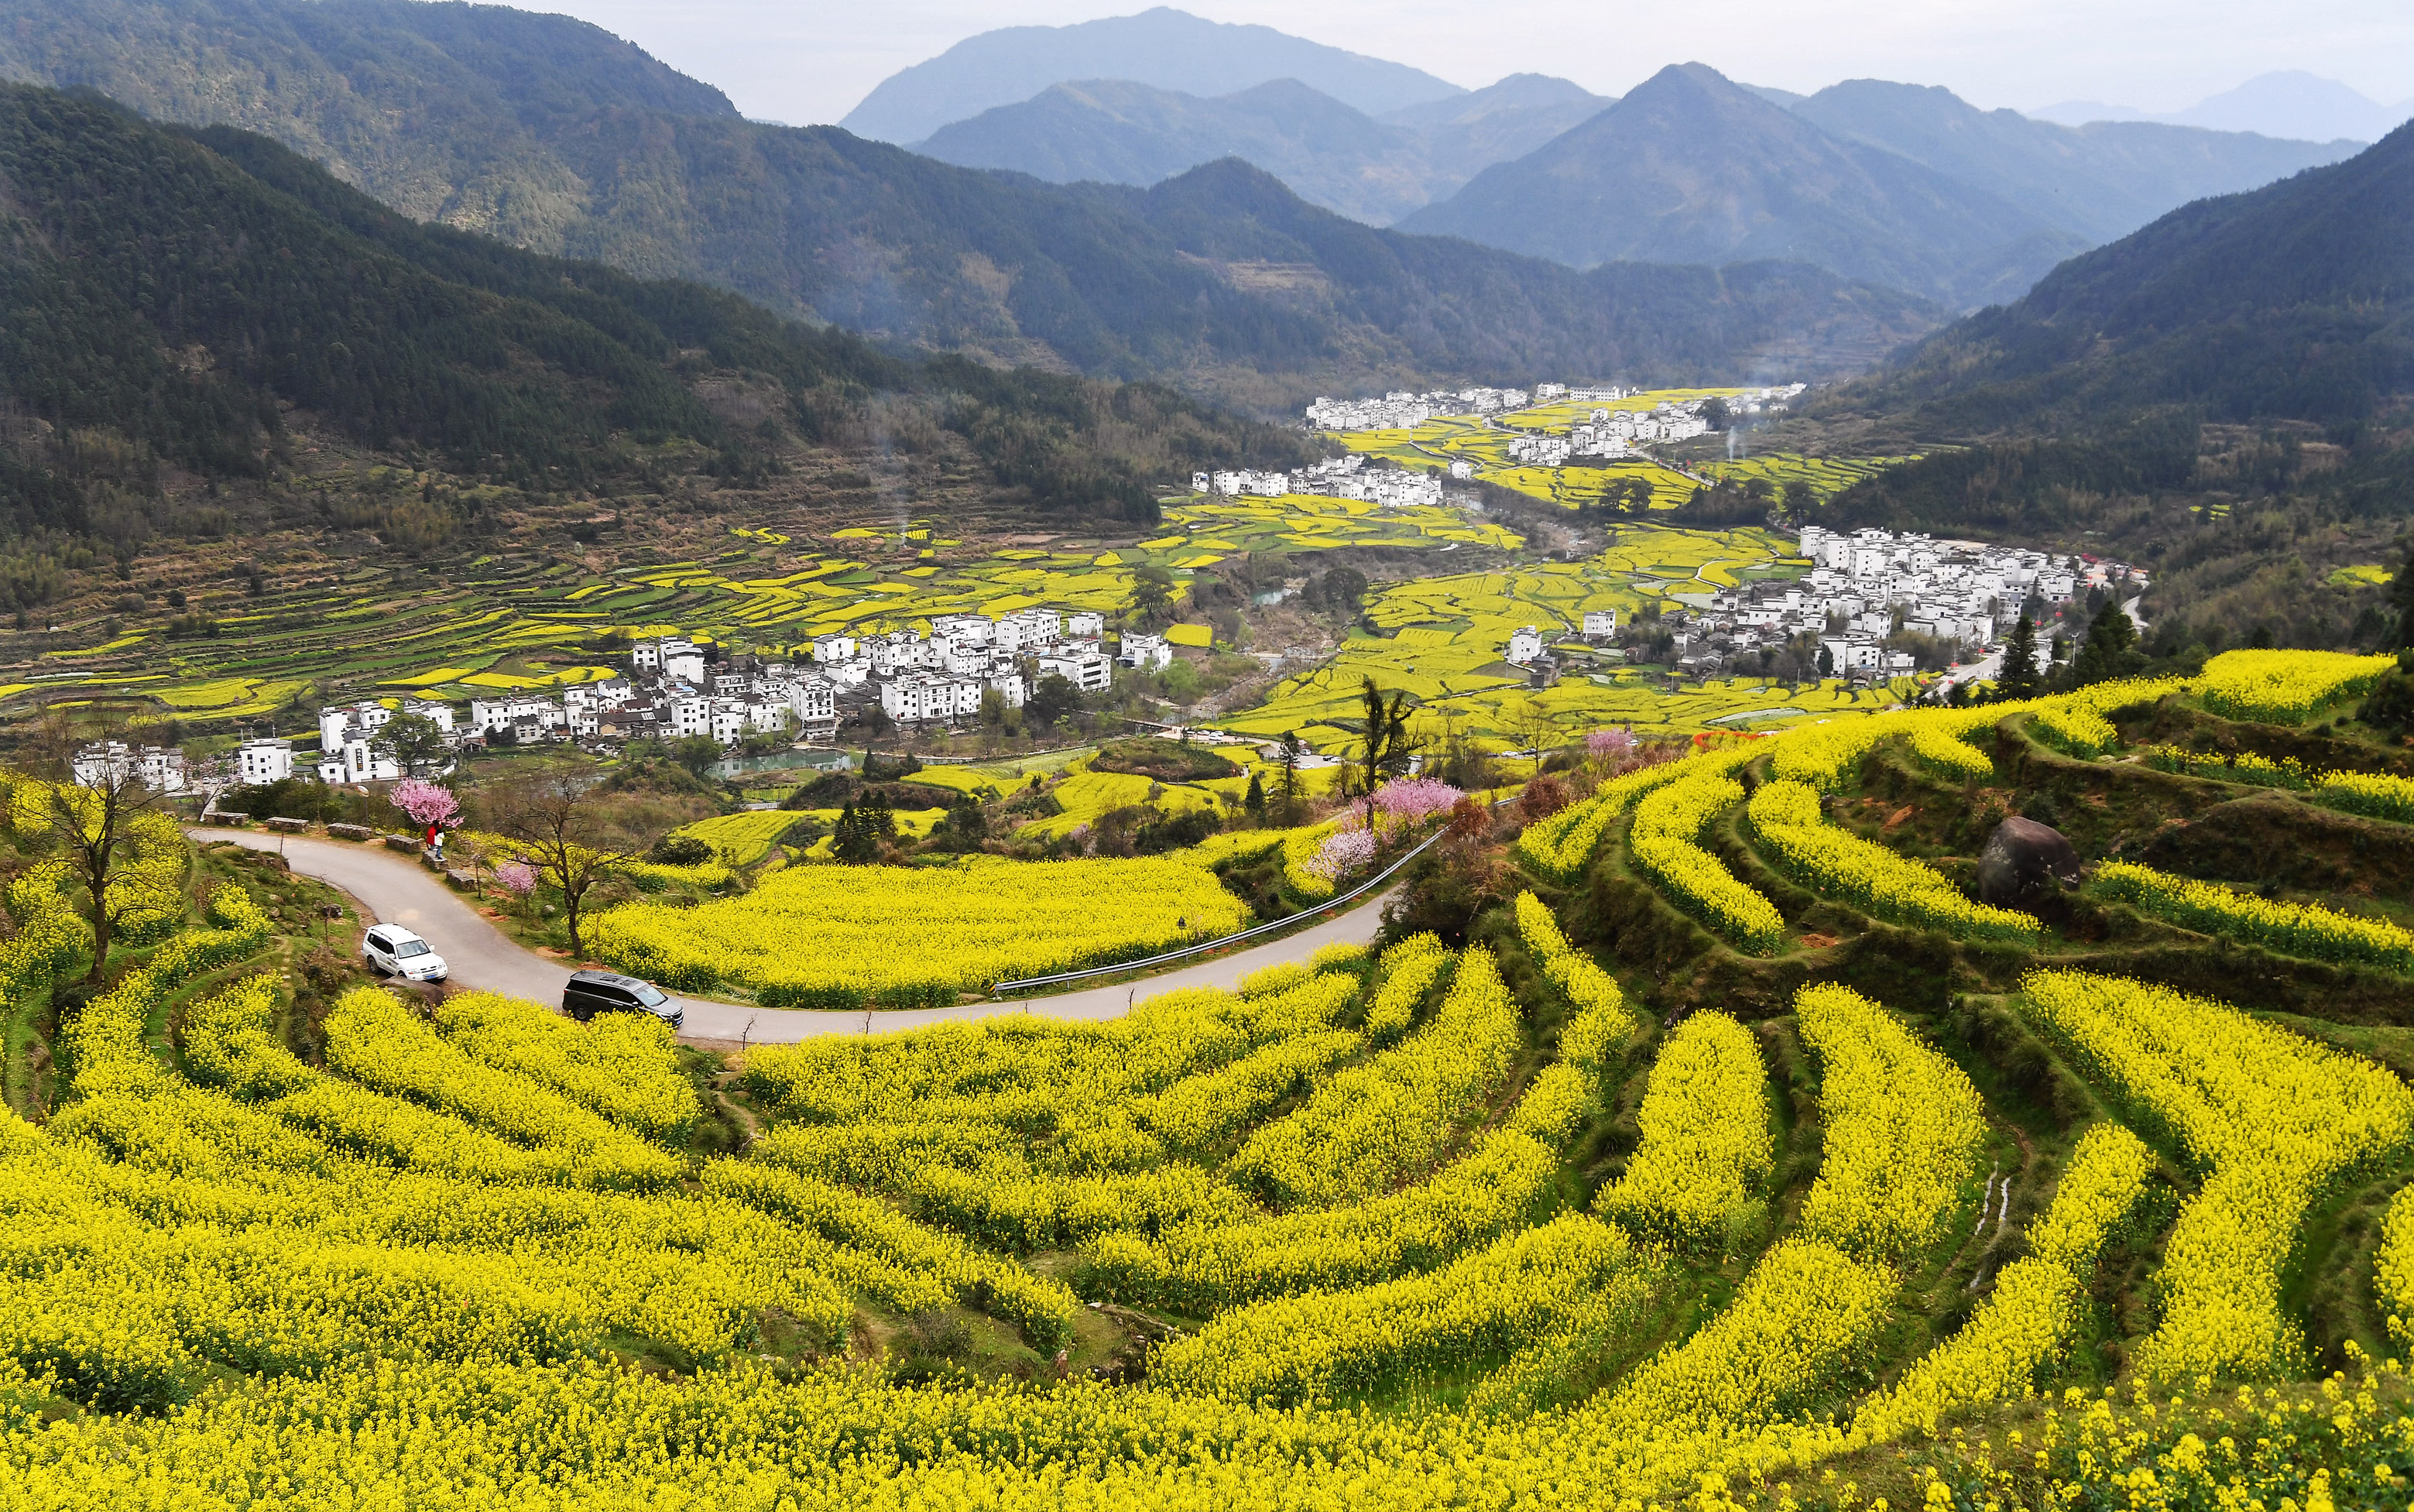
(394, 889)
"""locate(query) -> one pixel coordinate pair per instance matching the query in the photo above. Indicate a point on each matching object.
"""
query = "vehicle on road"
(391, 950)
(588, 993)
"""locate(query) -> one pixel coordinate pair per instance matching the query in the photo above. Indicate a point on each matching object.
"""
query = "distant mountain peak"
(1693, 166)
(2289, 104)
(1163, 48)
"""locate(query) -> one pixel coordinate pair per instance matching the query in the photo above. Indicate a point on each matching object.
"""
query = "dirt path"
(397, 890)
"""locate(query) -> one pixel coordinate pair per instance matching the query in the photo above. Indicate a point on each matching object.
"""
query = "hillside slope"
(822, 225)
(1692, 168)
(1115, 131)
(1164, 47)
(181, 310)
(2292, 301)
(2102, 181)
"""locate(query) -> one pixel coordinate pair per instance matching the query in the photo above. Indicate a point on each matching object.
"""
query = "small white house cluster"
(349, 748)
(1960, 591)
(106, 763)
(920, 678)
(1345, 477)
(1615, 433)
(1401, 410)
(674, 690)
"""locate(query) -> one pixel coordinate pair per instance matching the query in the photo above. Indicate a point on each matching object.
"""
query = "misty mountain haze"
(1164, 47)
(1115, 131)
(1693, 167)
(2291, 104)
(552, 135)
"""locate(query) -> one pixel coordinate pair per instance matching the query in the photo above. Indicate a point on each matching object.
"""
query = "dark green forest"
(185, 300)
(2291, 302)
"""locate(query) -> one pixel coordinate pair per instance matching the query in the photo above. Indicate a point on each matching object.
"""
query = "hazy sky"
(806, 61)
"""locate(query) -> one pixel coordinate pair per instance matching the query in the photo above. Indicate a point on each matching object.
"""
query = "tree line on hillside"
(174, 299)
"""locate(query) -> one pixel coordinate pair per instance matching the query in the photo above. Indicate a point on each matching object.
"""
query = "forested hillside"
(2289, 302)
(2222, 397)
(179, 310)
(1694, 167)
(557, 138)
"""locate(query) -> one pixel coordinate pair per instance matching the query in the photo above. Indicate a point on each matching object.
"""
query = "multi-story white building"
(1086, 669)
(901, 651)
(1149, 653)
(833, 649)
(367, 716)
(262, 761)
(1524, 645)
(670, 656)
(974, 630)
(357, 760)
(921, 696)
(730, 721)
(1600, 622)
(814, 702)
(435, 711)
(690, 715)
(515, 711)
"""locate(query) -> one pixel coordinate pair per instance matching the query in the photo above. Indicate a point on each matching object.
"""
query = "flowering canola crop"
(1706, 1145)
(2269, 1117)
(839, 937)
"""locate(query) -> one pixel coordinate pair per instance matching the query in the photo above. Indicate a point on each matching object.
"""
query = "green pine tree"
(2019, 678)
(1254, 802)
(2111, 648)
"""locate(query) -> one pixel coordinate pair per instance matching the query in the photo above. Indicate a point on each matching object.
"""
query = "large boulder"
(2020, 858)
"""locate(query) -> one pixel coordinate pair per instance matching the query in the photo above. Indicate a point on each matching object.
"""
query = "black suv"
(589, 993)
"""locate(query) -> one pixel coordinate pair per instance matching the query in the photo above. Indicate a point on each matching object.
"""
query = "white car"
(391, 950)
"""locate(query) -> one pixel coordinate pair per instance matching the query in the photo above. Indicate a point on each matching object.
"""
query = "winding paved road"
(393, 889)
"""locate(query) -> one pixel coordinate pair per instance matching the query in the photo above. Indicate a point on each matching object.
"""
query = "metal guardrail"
(1326, 909)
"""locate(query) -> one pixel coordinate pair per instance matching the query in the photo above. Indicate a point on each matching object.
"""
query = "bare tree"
(565, 830)
(1388, 744)
(1533, 725)
(92, 826)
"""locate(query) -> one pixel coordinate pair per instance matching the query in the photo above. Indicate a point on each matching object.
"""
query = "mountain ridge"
(817, 224)
(1116, 131)
(1162, 47)
(2101, 180)
(1747, 178)
(178, 301)
(2287, 104)
(2294, 300)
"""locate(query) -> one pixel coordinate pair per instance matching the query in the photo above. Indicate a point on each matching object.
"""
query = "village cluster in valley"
(1864, 588)
(675, 688)
(1862, 591)
(1607, 432)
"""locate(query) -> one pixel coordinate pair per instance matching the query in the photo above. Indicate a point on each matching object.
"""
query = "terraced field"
(1441, 639)
(2083, 1201)
(1465, 437)
(1826, 476)
(520, 625)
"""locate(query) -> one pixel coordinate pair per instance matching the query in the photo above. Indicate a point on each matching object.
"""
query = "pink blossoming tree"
(427, 803)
